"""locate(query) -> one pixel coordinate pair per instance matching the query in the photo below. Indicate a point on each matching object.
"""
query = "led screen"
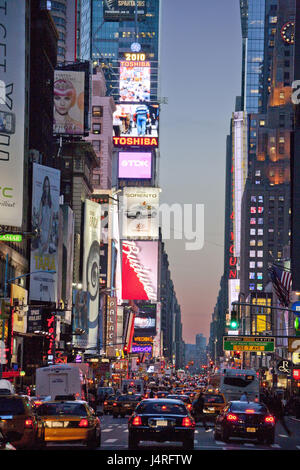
(134, 81)
(135, 165)
(136, 120)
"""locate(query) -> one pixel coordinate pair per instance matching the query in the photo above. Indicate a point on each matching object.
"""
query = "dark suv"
(19, 423)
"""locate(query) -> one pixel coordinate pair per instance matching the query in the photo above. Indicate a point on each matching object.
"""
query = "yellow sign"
(248, 348)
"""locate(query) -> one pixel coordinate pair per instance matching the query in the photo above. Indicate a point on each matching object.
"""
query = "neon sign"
(135, 141)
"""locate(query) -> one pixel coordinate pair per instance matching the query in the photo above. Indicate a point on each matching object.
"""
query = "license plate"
(57, 424)
(251, 429)
(161, 423)
(127, 406)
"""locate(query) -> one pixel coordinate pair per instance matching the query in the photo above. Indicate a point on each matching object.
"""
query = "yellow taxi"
(69, 422)
(214, 403)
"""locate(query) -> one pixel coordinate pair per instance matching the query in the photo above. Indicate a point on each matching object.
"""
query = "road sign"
(248, 343)
(296, 307)
(11, 237)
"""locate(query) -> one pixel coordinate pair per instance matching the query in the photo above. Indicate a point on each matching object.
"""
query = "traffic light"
(297, 325)
(234, 323)
(125, 350)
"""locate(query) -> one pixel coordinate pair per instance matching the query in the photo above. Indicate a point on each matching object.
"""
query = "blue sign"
(296, 307)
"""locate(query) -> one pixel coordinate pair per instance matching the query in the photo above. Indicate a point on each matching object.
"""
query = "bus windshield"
(241, 381)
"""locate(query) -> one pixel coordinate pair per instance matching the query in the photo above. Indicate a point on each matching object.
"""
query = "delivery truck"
(62, 380)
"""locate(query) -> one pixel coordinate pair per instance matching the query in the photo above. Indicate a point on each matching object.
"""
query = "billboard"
(139, 270)
(69, 93)
(136, 120)
(145, 320)
(135, 82)
(136, 165)
(44, 247)
(91, 265)
(12, 112)
(140, 213)
(123, 10)
(81, 300)
(67, 259)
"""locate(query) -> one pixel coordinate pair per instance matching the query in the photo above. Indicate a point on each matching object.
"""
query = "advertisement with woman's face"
(44, 247)
(68, 117)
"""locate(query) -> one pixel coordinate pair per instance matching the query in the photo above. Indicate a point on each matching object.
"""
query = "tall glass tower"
(105, 42)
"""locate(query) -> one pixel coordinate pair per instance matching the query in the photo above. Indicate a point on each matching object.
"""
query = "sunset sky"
(201, 77)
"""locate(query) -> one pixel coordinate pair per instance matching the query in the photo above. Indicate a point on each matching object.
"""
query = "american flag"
(282, 283)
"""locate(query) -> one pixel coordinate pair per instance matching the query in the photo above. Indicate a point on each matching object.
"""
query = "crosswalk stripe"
(106, 430)
(110, 441)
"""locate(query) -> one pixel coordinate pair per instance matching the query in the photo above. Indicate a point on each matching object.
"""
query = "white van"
(61, 380)
(6, 387)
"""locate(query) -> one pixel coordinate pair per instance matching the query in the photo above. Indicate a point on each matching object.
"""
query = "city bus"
(235, 382)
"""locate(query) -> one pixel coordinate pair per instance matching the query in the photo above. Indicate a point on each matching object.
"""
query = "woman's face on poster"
(62, 103)
(47, 186)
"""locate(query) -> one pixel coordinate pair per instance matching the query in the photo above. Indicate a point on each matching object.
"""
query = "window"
(253, 210)
(252, 242)
(96, 145)
(252, 275)
(260, 221)
(260, 231)
(259, 287)
(259, 275)
(260, 243)
(252, 231)
(97, 111)
(253, 198)
(96, 128)
(252, 221)
(260, 254)
(252, 253)
(260, 264)
(258, 173)
(252, 265)
(251, 286)
(260, 199)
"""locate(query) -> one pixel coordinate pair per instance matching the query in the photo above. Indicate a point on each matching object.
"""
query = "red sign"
(296, 374)
(135, 141)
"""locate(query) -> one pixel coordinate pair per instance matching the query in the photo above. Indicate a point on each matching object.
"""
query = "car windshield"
(213, 399)
(243, 406)
(161, 408)
(54, 409)
(128, 398)
(11, 406)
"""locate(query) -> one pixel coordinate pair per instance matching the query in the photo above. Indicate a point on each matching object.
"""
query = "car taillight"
(231, 417)
(105, 403)
(189, 407)
(28, 423)
(270, 419)
(137, 421)
(83, 423)
(114, 404)
(38, 403)
(186, 422)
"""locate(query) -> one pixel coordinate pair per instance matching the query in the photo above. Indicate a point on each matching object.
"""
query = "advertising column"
(91, 268)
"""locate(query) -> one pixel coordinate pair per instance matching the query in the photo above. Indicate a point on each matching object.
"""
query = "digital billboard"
(69, 97)
(140, 213)
(145, 320)
(123, 10)
(81, 300)
(139, 270)
(12, 108)
(135, 165)
(136, 120)
(135, 80)
(44, 247)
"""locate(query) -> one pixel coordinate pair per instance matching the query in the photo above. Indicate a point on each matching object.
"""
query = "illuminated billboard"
(12, 111)
(123, 10)
(145, 320)
(136, 120)
(140, 213)
(44, 247)
(139, 270)
(135, 165)
(69, 93)
(135, 80)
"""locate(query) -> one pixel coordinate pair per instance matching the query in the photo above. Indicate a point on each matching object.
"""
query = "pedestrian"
(198, 410)
(278, 411)
(244, 397)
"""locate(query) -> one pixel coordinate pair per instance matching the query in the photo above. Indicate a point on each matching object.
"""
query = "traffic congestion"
(220, 409)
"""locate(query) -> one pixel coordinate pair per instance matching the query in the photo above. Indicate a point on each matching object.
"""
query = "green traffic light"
(234, 324)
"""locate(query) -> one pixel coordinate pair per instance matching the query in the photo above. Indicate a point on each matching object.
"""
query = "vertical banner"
(12, 111)
(81, 301)
(67, 260)
(91, 267)
(157, 338)
(44, 248)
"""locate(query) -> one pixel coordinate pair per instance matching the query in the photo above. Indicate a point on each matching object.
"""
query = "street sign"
(11, 237)
(248, 343)
(296, 307)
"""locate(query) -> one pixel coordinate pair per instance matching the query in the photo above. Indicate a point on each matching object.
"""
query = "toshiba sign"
(135, 141)
(135, 165)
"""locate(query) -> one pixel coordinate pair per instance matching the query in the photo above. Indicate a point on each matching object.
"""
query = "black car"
(248, 420)
(185, 398)
(161, 420)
